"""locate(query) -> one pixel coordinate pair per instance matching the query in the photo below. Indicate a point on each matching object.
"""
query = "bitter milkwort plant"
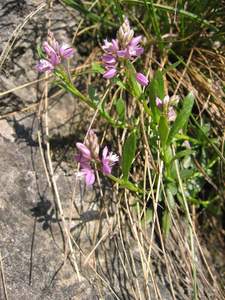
(159, 122)
(161, 118)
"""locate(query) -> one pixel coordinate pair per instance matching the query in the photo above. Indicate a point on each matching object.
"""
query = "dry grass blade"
(3, 278)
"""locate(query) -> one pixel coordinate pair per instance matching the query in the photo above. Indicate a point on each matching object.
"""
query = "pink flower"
(85, 153)
(110, 73)
(89, 175)
(54, 53)
(159, 103)
(110, 47)
(171, 114)
(66, 51)
(108, 160)
(44, 65)
(84, 158)
(166, 104)
(108, 59)
(89, 155)
(142, 79)
(126, 46)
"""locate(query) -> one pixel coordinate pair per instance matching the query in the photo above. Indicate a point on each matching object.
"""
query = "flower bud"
(125, 33)
(92, 144)
(142, 79)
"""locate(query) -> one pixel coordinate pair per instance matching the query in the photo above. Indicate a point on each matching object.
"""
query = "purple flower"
(164, 102)
(66, 51)
(125, 33)
(88, 174)
(44, 65)
(89, 155)
(166, 105)
(110, 47)
(85, 153)
(171, 114)
(54, 54)
(108, 59)
(108, 160)
(142, 79)
(84, 158)
(159, 103)
(110, 73)
(126, 46)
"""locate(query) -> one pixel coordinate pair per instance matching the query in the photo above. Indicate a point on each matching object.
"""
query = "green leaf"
(93, 94)
(129, 185)
(170, 198)
(156, 89)
(97, 68)
(123, 183)
(120, 109)
(166, 223)
(40, 52)
(134, 86)
(117, 81)
(129, 150)
(148, 216)
(182, 117)
(183, 153)
(163, 130)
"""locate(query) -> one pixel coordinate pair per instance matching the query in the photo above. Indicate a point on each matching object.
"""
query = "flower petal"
(84, 150)
(142, 79)
(136, 40)
(44, 65)
(89, 176)
(105, 152)
(159, 103)
(110, 73)
(122, 53)
(66, 51)
(106, 169)
(108, 59)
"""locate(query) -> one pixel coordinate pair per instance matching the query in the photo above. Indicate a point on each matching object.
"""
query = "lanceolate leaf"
(129, 150)
(156, 89)
(120, 109)
(166, 223)
(163, 130)
(182, 117)
(134, 86)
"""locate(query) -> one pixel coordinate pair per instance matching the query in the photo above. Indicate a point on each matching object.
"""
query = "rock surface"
(17, 65)
(31, 240)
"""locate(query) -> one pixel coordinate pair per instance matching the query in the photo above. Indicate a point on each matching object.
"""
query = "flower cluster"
(55, 53)
(166, 105)
(125, 46)
(88, 158)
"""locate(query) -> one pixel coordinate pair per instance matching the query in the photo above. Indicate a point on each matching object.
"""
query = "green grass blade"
(182, 117)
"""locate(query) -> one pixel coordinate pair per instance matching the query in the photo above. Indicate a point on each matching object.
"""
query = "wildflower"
(142, 79)
(88, 158)
(110, 47)
(85, 158)
(54, 54)
(108, 160)
(125, 46)
(92, 144)
(167, 105)
(110, 73)
(88, 174)
(44, 65)
(125, 33)
(65, 51)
